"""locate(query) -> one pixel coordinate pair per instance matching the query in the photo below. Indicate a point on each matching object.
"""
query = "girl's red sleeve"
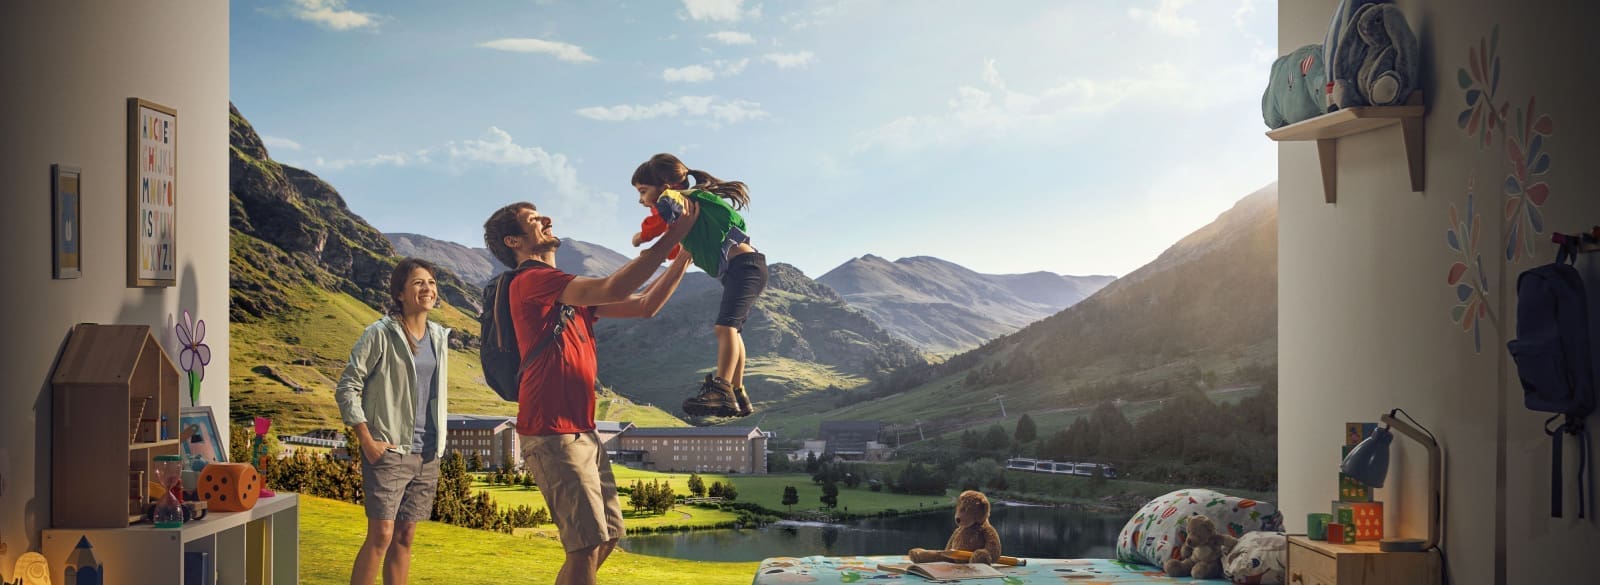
(652, 227)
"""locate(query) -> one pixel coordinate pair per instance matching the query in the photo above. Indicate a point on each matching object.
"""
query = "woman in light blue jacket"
(393, 395)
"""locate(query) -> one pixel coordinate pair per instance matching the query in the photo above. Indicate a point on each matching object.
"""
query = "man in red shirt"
(555, 406)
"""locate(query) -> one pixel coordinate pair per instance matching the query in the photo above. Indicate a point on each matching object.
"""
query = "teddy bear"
(1296, 90)
(973, 533)
(1203, 550)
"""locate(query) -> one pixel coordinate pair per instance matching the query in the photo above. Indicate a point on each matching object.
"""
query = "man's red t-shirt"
(556, 395)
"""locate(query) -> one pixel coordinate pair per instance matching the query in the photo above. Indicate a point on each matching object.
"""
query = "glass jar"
(169, 506)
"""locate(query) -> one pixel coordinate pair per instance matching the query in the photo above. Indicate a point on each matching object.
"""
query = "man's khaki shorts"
(574, 474)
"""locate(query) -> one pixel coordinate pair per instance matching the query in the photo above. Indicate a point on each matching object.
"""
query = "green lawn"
(764, 490)
(331, 532)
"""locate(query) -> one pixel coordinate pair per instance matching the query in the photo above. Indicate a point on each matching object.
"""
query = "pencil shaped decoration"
(964, 555)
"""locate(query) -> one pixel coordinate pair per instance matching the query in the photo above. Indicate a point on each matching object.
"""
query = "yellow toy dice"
(229, 487)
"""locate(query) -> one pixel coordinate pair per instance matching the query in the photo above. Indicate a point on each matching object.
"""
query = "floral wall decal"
(1466, 276)
(1524, 133)
(195, 355)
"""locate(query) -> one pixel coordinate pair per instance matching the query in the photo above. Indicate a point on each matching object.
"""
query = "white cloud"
(276, 142)
(562, 51)
(332, 14)
(498, 149)
(788, 60)
(720, 10)
(708, 109)
(993, 109)
(1245, 9)
(730, 68)
(728, 37)
(1165, 18)
(819, 14)
(398, 159)
(690, 74)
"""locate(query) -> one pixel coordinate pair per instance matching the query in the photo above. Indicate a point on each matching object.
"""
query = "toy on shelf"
(258, 451)
(1365, 518)
(230, 487)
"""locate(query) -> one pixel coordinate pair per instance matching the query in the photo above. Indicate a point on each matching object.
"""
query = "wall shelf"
(1328, 128)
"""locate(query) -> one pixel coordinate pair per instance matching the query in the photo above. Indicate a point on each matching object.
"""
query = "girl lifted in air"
(719, 245)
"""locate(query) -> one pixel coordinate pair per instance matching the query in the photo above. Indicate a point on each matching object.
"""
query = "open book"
(943, 571)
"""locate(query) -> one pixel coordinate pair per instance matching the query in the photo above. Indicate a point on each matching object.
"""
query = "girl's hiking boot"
(744, 401)
(715, 399)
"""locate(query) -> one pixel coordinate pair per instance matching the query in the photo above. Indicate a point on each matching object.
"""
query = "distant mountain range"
(944, 307)
(936, 305)
(476, 265)
(1203, 313)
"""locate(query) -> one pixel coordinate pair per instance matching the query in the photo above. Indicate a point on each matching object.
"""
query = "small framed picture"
(198, 436)
(66, 229)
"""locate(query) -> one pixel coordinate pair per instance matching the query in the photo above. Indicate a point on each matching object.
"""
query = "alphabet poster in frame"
(66, 211)
(152, 194)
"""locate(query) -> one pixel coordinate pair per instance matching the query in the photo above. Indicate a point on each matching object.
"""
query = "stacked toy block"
(1355, 510)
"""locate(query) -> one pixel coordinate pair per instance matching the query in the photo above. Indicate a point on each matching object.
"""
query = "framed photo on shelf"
(66, 209)
(152, 194)
(198, 436)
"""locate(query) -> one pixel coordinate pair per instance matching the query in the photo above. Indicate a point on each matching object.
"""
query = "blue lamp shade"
(1368, 463)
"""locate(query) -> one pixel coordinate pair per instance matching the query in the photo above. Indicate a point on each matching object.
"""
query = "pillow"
(1260, 558)
(1156, 533)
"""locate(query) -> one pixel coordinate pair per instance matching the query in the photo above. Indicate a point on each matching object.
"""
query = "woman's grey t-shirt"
(425, 431)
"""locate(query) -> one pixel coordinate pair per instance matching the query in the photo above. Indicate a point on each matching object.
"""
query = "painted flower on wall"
(1480, 80)
(196, 355)
(1526, 190)
(1466, 276)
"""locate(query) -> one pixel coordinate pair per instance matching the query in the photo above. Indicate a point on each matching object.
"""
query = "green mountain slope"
(1203, 314)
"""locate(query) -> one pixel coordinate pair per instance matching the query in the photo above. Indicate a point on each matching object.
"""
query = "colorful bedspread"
(864, 570)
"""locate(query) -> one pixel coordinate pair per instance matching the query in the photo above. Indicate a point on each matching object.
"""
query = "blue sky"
(1079, 137)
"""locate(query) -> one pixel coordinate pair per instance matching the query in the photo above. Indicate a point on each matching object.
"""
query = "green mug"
(1317, 525)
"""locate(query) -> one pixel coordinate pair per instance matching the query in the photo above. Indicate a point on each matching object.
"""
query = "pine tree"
(1027, 431)
(475, 464)
(697, 486)
(716, 489)
(791, 497)
(830, 494)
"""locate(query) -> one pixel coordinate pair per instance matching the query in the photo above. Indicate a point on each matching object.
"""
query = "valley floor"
(331, 532)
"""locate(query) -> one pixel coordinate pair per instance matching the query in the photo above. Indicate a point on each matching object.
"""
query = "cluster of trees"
(655, 497)
(326, 476)
(507, 477)
(1188, 439)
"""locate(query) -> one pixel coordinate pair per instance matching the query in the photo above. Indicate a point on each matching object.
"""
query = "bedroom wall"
(69, 67)
(1365, 310)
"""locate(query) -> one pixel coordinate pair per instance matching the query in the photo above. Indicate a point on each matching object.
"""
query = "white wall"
(68, 68)
(1364, 310)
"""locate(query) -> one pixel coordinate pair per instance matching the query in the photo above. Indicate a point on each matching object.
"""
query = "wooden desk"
(1313, 562)
(260, 546)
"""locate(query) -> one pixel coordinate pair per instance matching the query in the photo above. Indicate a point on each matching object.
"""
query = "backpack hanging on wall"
(1554, 363)
(503, 361)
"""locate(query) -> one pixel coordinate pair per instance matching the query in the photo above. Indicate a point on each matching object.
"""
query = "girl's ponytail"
(734, 191)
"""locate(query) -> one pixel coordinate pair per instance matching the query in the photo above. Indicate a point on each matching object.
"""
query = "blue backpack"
(1553, 358)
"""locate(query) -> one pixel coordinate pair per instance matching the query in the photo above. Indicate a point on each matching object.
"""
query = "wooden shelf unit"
(110, 390)
(259, 546)
(1328, 128)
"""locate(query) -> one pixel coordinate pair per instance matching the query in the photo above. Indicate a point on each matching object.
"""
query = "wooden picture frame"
(66, 222)
(152, 194)
(198, 436)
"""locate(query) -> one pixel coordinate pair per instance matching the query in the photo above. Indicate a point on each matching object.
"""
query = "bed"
(863, 569)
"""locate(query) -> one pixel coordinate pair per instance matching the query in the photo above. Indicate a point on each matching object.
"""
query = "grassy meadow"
(331, 533)
(763, 490)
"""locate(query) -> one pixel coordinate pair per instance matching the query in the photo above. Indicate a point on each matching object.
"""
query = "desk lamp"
(1368, 463)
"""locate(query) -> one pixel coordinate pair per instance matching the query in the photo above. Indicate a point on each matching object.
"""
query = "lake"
(1025, 531)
